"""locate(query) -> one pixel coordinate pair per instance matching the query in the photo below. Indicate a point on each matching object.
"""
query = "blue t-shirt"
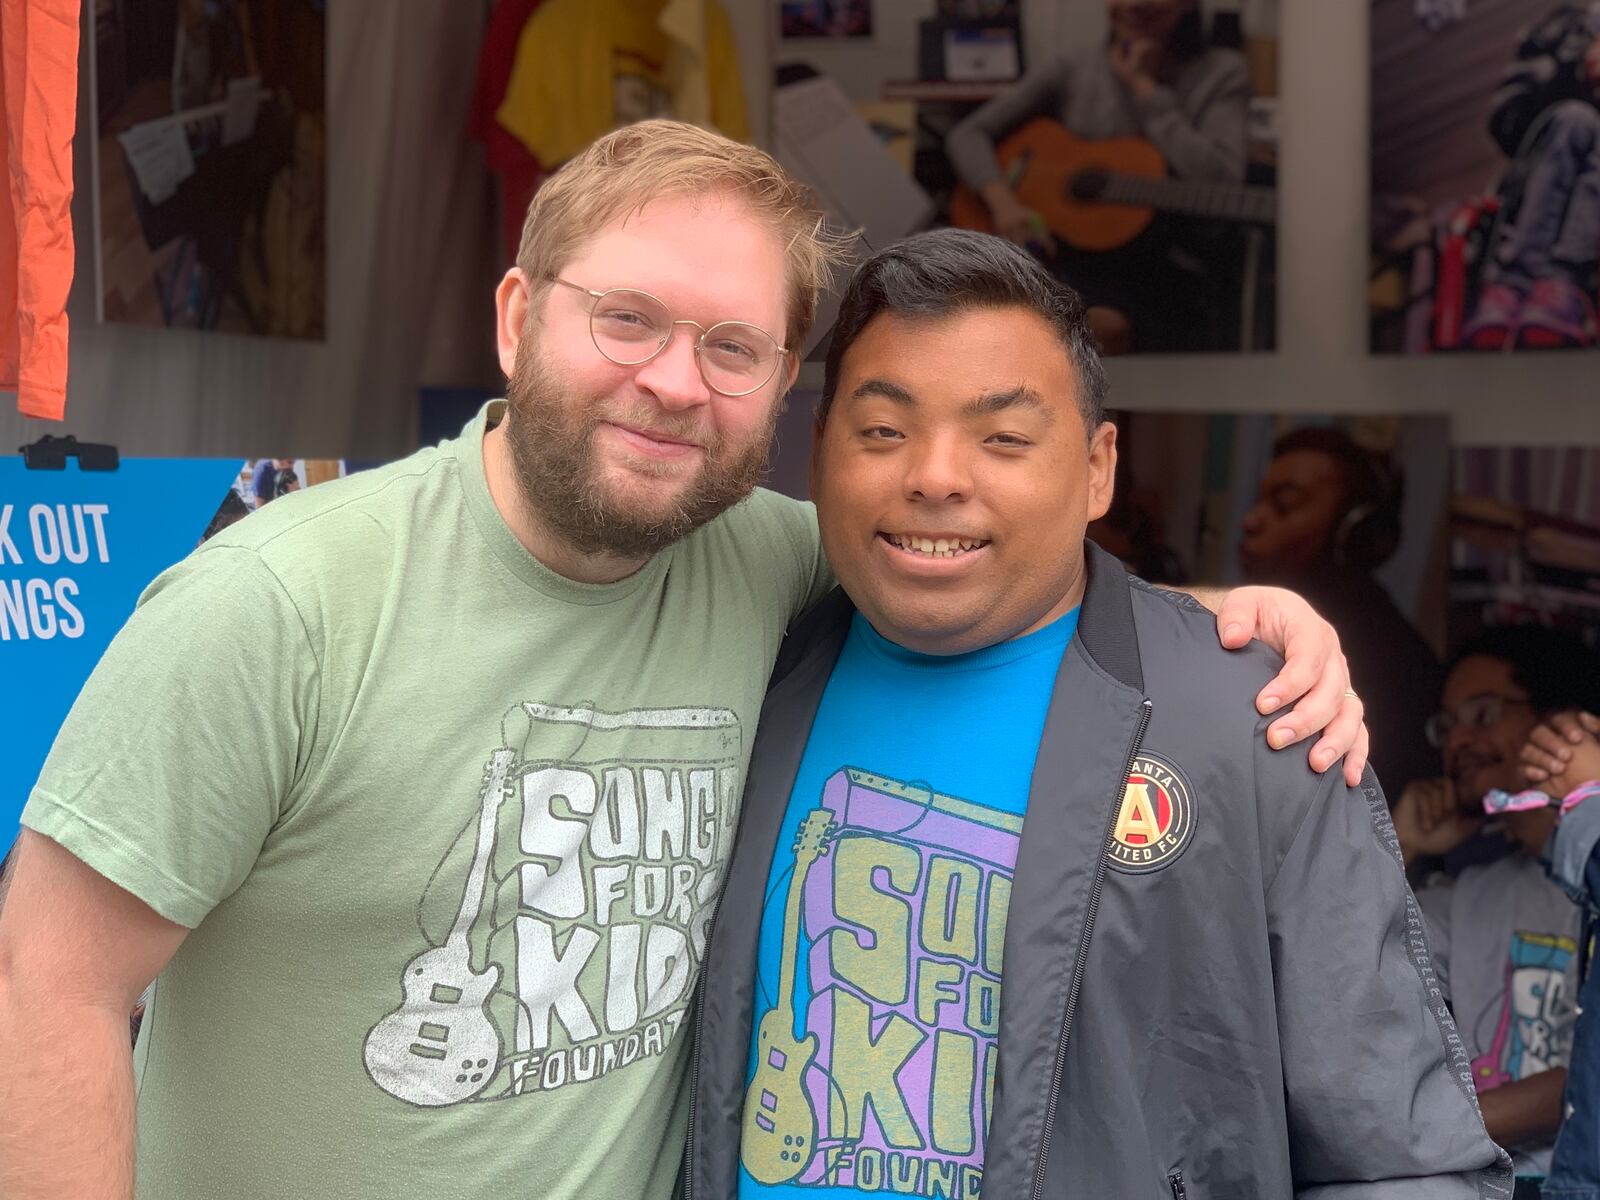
(878, 988)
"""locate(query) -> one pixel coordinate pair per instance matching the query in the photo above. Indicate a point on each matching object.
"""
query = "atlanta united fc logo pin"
(1156, 821)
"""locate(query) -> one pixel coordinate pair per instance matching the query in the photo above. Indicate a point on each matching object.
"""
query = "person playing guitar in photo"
(1155, 79)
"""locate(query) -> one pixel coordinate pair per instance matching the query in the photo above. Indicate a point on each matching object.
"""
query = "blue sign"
(76, 550)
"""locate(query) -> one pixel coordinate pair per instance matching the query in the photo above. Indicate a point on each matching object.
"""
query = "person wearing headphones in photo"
(1327, 515)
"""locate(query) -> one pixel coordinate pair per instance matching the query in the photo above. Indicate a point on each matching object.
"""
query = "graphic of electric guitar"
(440, 1046)
(780, 1126)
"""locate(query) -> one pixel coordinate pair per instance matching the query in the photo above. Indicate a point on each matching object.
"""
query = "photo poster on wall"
(1485, 221)
(210, 165)
(1132, 148)
(1350, 512)
(1525, 540)
(1524, 587)
(77, 548)
(825, 18)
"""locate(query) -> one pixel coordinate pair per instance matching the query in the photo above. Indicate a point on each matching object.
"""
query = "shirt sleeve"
(187, 743)
(970, 146)
(1376, 1080)
(1573, 853)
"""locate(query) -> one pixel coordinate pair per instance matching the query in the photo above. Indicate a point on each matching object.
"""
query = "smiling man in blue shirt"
(1023, 902)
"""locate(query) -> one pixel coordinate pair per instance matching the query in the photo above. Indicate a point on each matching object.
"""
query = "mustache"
(552, 444)
(654, 421)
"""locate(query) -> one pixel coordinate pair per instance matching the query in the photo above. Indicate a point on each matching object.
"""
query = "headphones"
(1368, 535)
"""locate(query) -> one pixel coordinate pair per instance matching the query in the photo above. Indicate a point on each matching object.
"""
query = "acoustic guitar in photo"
(441, 1046)
(1100, 195)
(780, 1126)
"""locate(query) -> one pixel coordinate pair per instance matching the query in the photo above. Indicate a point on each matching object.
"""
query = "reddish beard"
(552, 447)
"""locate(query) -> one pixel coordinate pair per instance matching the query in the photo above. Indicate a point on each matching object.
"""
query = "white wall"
(1322, 363)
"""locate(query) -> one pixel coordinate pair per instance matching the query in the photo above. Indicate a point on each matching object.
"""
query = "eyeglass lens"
(632, 327)
(1480, 712)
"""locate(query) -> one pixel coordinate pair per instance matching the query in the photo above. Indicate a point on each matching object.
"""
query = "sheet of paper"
(159, 153)
(823, 141)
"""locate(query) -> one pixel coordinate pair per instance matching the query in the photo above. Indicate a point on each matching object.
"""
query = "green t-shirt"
(448, 829)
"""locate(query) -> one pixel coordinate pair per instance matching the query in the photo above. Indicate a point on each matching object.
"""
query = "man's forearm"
(66, 1101)
(1528, 1110)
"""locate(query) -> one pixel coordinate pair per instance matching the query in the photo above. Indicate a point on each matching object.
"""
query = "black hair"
(1369, 529)
(1557, 669)
(1188, 37)
(945, 272)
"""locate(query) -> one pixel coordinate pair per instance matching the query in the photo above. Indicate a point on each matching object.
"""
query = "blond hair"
(625, 170)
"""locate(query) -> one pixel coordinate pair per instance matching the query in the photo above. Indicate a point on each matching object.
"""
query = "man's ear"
(511, 300)
(814, 469)
(1101, 483)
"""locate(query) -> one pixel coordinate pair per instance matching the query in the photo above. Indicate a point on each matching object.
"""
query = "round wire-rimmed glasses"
(631, 327)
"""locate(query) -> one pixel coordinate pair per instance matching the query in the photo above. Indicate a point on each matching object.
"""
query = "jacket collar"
(1089, 739)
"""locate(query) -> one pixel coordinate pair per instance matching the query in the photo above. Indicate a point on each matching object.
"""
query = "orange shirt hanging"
(38, 100)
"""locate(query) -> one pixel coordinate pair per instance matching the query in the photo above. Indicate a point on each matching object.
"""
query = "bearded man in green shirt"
(414, 791)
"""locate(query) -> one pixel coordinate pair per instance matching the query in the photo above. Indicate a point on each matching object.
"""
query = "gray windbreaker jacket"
(1243, 1007)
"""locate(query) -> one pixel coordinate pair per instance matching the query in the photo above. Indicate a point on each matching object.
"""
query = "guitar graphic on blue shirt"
(780, 1125)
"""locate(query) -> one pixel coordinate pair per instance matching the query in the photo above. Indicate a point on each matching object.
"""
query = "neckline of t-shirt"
(1053, 638)
(516, 557)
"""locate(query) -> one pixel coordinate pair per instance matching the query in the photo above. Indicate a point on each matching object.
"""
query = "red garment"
(517, 186)
(519, 171)
(38, 110)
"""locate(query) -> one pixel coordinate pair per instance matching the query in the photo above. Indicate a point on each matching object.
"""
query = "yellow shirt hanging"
(584, 67)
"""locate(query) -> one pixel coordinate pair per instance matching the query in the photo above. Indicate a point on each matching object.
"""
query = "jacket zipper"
(1176, 1181)
(1082, 959)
